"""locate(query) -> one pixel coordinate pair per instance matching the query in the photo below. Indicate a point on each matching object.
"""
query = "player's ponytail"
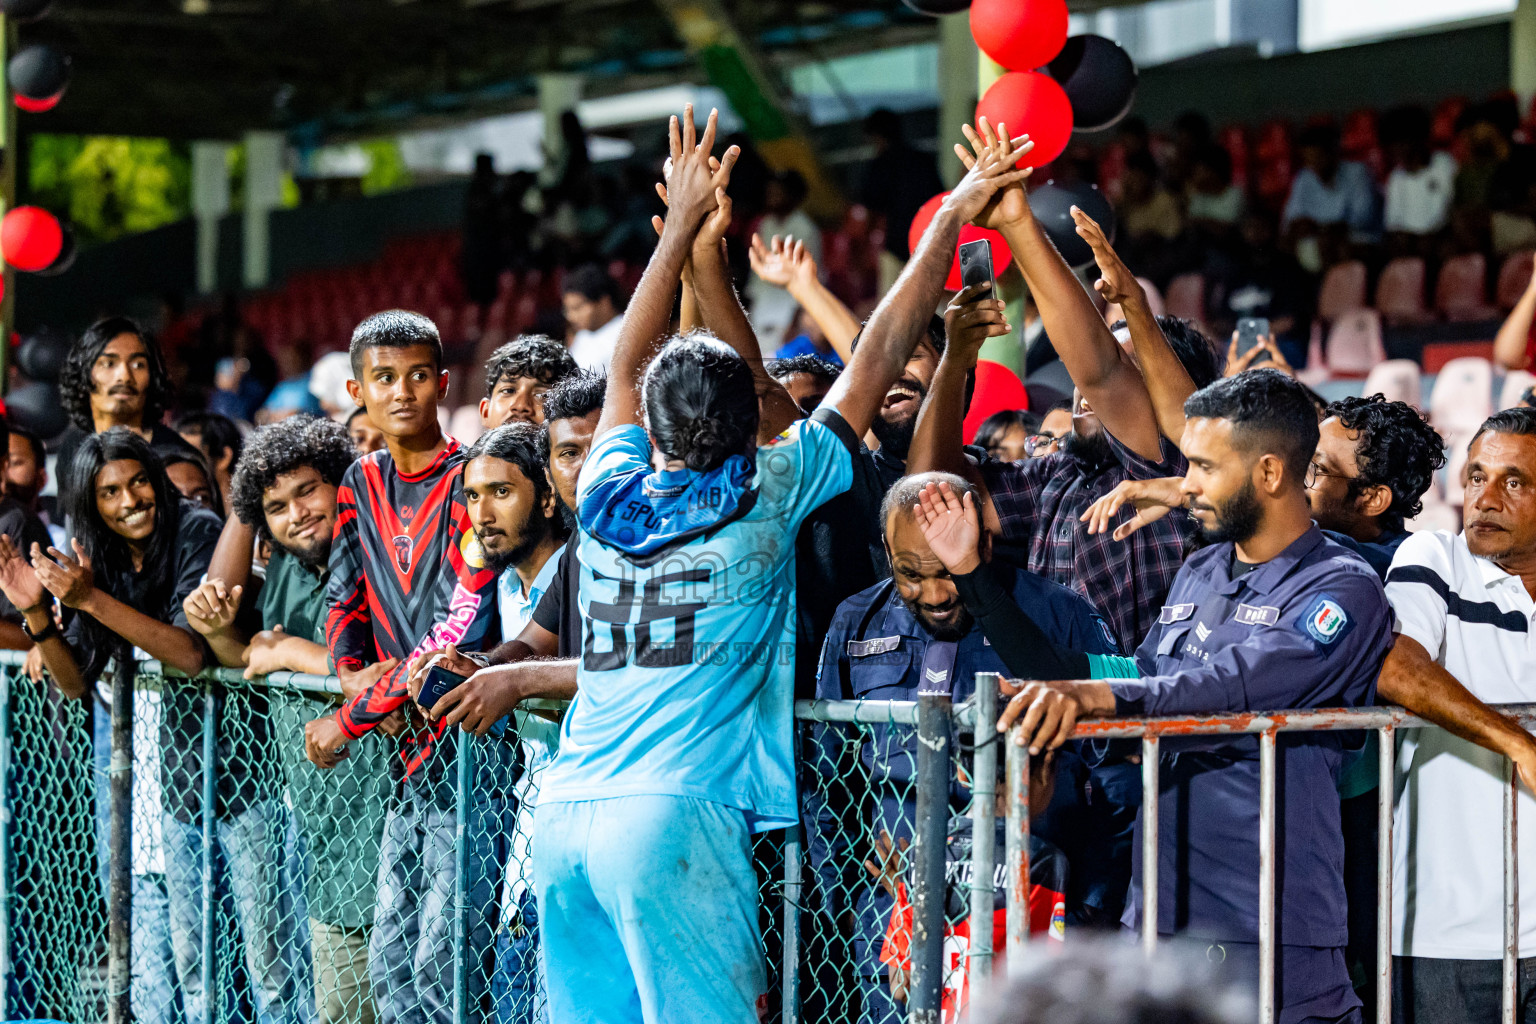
(700, 403)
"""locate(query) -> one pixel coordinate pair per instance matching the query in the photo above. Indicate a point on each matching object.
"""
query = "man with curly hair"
(516, 377)
(1374, 461)
(284, 490)
(114, 376)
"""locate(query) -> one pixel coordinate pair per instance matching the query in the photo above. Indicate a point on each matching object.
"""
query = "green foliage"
(386, 170)
(110, 186)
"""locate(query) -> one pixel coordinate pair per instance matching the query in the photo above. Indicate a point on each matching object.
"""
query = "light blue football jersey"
(686, 681)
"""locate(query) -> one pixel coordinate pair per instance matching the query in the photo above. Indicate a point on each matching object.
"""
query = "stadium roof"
(328, 68)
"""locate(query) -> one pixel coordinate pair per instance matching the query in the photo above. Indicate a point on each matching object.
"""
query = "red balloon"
(1021, 35)
(41, 106)
(997, 388)
(1029, 103)
(30, 238)
(1001, 254)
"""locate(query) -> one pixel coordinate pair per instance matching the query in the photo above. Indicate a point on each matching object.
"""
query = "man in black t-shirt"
(138, 551)
(114, 376)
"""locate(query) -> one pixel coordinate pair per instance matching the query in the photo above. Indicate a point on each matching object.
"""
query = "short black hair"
(1266, 408)
(884, 123)
(529, 355)
(219, 432)
(1396, 449)
(933, 334)
(592, 283)
(75, 376)
(1198, 354)
(361, 410)
(580, 394)
(5, 438)
(999, 423)
(522, 444)
(39, 451)
(1519, 420)
(192, 457)
(1324, 136)
(1218, 160)
(283, 447)
(806, 363)
(394, 328)
(904, 492)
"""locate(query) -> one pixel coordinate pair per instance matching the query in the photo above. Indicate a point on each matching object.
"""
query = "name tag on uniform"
(877, 645)
(1257, 615)
(1175, 613)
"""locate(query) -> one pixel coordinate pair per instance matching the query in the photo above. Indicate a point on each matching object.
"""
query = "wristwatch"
(48, 632)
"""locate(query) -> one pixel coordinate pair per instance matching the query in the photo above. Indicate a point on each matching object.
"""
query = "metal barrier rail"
(931, 721)
(1267, 726)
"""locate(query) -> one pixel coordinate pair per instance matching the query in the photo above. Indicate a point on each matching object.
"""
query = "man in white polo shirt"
(1465, 616)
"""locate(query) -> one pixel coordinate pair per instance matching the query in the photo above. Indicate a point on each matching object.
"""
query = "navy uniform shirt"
(1307, 629)
(859, 780)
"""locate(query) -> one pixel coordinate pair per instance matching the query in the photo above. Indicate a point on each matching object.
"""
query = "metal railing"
(800, 929)
(1386, 722)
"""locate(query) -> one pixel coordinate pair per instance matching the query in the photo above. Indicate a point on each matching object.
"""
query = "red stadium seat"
(1235, 142)
(1400, 292)
(1459, 293)
(1186, 297)
(1343, 290)
(1514, 277)
(1354, 345)
(1443, 128)
(1396, 380)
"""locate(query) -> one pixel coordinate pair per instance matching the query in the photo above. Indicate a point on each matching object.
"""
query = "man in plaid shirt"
(1126, 409)
(1127, 404)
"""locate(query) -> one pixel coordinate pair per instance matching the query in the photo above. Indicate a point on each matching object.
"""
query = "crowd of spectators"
(682, 514)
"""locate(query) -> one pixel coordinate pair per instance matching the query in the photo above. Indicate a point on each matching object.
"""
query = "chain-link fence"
(264, 890)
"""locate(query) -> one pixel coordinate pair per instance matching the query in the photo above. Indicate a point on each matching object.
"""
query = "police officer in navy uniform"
(888, 642)
(1271, 615)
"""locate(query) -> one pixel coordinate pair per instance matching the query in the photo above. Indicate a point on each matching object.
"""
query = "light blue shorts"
(648, 906)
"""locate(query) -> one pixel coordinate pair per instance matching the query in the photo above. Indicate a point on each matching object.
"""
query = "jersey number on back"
(631, 632)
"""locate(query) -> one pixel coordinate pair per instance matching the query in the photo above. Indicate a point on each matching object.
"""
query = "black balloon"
(41, 354)
(39, 71)
(937, 7)
(1052, 205)
(25, 10)
(37, 407)
(1098, 77)
(66, 258)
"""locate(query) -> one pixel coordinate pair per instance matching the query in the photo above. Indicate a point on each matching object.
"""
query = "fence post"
(924, 1001)
(120, 842)
(793, 888)
(1016, 765)
(1511, 979)
(465, 762)
(1267, 871)
(5, 842)
(211, 986)
(1150, 790)
(983, 829)
(1386, 788)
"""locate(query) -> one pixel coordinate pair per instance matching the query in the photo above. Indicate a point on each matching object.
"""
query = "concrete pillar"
(557, 94)
(1522, 52)
(210, 201)
(263, 194)
(957, 93)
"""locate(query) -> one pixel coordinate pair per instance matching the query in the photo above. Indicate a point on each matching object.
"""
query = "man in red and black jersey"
(407, 575)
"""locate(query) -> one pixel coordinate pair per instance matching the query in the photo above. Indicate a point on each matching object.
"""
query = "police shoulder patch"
(1324, 620)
